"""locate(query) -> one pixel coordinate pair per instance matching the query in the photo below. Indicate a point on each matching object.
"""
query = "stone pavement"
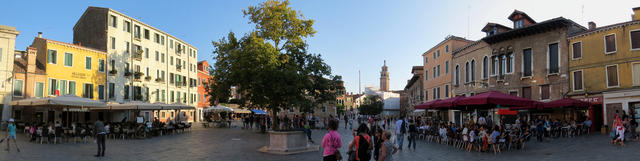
(230, 144)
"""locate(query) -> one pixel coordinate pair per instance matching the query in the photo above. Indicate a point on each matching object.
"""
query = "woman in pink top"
(331, 142)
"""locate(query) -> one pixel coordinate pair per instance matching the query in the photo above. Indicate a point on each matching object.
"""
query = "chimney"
(39, 34)
(636, 14)
(31, 59)
(592, 25)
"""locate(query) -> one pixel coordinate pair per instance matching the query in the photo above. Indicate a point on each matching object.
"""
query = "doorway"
(611, 110)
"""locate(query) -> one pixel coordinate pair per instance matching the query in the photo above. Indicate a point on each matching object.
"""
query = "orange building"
(203, 79)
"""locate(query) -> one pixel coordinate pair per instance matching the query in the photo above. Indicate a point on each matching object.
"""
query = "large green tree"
(371, 105)
(270, 66)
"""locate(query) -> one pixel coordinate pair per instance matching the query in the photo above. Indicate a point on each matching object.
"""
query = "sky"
(352, 35)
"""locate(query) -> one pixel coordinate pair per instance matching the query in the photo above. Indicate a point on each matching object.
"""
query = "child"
(11, 135)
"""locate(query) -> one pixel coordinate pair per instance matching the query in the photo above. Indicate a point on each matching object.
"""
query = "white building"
(144, 63)
(391, 100)
(7, 46)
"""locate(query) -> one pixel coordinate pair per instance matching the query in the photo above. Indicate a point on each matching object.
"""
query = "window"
(52, 57)
(503, 64)
(466, 72)
(446, 91)
(554, 63)
(434, 72)
(527, 63)
(610, 44)
(136, 31)
(457, 75)
(438, 91)
(434, 55)
(510, 63)
(127, 49)
(39, 91)
(157, 56)
(576, 50)
(485, 67)
(101, 65)
(126, 26)
(518, 24)
(112, 90)
(446, 49)
(100, 92)
(426, 75)
(53, 86)
(438, 70)
(126, 91)
(426, 95)
(171, 43)
(146, 53)
(87, 63)
(526, 92)
(636, 74)
(113, 43)
(612, 76)
(63, 90)
(146, 34)
(162, 74)
(426, 59)
(161, 40)
(162, 113)
(88, 91)
(635, 39)
(72, 88)
(495, 65)
(113, 21)
(162, 57)
(434, 93)
(446, 67)
(68, 59)
(473, 70)
(513, 93)
(577, 80)
(163, 95)
(438, 53)
(157, 38)
(17, 87)
(171, 60)
(544, 92)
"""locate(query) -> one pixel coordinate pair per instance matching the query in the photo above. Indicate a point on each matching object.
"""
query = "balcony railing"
(178, 67)
(138, 55)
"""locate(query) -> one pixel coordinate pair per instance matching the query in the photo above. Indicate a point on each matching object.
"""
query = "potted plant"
(138, 75)
(127, 73)
(147, 78)
(158, 79)
(138, 54)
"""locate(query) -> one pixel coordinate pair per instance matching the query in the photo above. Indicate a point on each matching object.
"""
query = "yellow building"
(72, 69)
(605, 68)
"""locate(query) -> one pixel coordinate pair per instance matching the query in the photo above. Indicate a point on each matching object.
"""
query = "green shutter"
(39, 89)
(87, 63)
(72, 88)
(17, 87)
(63, 87)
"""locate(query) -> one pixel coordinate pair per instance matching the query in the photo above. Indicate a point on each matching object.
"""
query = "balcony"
(159, 80)
(147, 78)
(113, 72)
(137, 76)
(127, 74)
(178, 67)
(178, 84)
(138, 55)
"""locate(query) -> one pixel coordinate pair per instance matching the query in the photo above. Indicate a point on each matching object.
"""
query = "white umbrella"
(66, 100)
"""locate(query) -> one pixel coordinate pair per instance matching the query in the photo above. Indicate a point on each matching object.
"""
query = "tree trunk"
(275, 119)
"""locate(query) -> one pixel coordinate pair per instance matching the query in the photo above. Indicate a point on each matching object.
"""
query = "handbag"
(338, 155)
(352, 155)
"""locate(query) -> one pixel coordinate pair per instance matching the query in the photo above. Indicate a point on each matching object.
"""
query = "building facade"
(530, 60)
(8, 36)
(413, 90)
(471, 66)
(204, 78)
(144, 63)
(437, 68)
(605, 67)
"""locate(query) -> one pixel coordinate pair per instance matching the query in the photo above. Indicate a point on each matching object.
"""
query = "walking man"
(100, 137)
(401, 129)
(11, 135)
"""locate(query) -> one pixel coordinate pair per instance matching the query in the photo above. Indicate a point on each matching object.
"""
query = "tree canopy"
(270, 66)
(371, 105)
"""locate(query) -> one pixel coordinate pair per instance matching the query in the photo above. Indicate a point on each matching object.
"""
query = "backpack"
(403, 127)
(363, 152)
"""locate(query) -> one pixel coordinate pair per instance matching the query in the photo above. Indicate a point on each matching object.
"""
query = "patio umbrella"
(566, 102)
(495, 98)
(447, 103)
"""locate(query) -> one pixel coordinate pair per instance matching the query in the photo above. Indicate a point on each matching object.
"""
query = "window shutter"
(612, 75)
(577, 50)
(635, 39)
(610, 43)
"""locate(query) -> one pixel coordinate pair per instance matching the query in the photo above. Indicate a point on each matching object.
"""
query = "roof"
(414, 68)
(20, 63)
(72, 45)
(516, 12)
(9, 29)
(450, 37)
(491, 24)
(604, 28)
(133, 19)
(412, 81)
(536, 28)
(467, 46)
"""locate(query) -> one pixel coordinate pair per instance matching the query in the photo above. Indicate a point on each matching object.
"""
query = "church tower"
(384, 78)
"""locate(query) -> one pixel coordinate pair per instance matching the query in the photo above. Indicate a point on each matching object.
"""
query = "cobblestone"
(231, 144)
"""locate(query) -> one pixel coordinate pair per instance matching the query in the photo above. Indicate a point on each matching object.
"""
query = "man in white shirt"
(400, 132)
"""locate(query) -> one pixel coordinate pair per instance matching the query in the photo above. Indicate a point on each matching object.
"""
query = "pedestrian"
(331, 143)
(539, 128)
(11, 135)
(413, 133)
(378, 140)
(307, 130)
(401, 129)
(100, 137)
(362, 144)
(387, 150)
(345, 121)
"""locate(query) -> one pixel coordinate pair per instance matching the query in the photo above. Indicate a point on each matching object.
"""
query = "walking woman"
(362, 144)
(387, 150)
(331, 143)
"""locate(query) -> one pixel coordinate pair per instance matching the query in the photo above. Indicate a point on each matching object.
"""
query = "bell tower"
(384, 78)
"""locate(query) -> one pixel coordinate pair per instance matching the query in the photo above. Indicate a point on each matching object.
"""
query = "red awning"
(535, 105)
(426, 105)
(448, 103)
(567, 102)
(495, 98)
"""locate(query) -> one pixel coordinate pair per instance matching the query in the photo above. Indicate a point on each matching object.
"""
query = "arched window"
(473, 70)
(466, 72)
(457, 76)
(485, 67)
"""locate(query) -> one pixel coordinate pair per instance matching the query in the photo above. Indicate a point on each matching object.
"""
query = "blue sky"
(352, 35)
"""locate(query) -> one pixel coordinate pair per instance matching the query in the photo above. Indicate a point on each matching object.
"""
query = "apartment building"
(413, 90)
(204, 78)
(143, 62)
(8, 36)
(437, 68)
